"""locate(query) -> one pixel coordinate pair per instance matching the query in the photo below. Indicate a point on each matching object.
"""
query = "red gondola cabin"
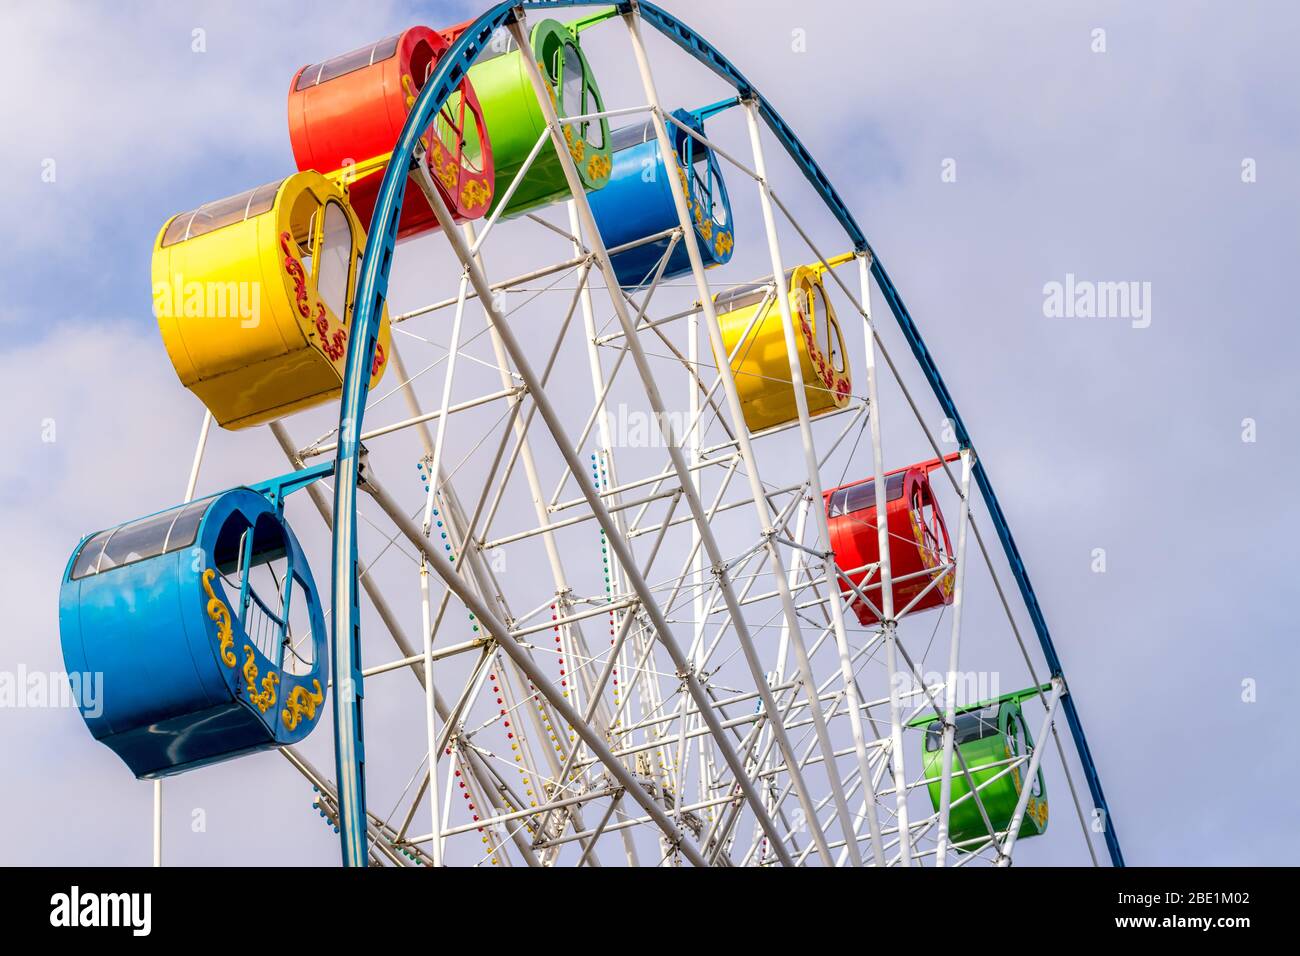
(346, 113)
(919, 548)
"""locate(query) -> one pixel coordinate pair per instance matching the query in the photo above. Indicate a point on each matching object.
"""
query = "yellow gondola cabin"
(253, 296)
(750, 319)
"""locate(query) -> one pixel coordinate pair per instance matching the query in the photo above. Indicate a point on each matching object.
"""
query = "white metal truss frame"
(631, 767)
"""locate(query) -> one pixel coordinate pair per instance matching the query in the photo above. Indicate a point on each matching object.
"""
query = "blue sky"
(1122, 165)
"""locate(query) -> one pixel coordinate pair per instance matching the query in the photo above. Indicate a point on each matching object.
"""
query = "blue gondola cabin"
(637, 202)
(206, 626)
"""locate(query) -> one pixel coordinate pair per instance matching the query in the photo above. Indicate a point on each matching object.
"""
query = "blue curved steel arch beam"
(372, 288)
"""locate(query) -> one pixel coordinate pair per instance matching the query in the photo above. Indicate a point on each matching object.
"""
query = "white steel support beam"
(950, 683)
(523, 660)
(819, 511)
(1009, 842)
(430, 714)
(886, 573)
(747, 453)
(521, 425)
(472, 559)
(679, 463)
(474, 765)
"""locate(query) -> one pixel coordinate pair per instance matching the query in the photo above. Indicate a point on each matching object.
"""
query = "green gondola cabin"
(989, 735)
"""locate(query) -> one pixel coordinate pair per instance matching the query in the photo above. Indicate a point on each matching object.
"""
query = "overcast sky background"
(1123, 165)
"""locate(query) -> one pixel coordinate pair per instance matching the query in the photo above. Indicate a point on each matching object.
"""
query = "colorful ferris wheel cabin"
(203, 626)
(919, 548)
(515, 122)
(989, 736)
(638, 201)
(346, 113)
(752, 332)
(254, 295)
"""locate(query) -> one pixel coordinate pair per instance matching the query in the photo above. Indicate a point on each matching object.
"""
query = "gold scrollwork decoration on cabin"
(475, 193)
(577, 145)
(930, 557)
(219, 613)
(301, 703)
(598, 166)
(266, 698)
(1036, 810)
(448, 169)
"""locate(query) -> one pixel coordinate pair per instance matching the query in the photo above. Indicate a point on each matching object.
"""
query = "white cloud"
(1066, 159)
(116, 95)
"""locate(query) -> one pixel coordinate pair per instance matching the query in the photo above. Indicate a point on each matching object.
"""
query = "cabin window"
(445, 126)
(695, 157)
(298, 654)
(922, 505)
(342, 65)
(827, 330)
(223, 212)
(254, 563)
(628, 136)
(819, 315)
(1018, 739)
(186, 526)
(457, 128)
(972, 725)
(703, 183)
(862, 496)
(302, 226)
(384, 49)
(570, 67)
(837, 344)
(717, 197)
(499, 44)
(263, 199)
(212, 216)
(471, 146)
(975, 725)
(177, 229)
(550, 56)
(594, 130)
(88, 560)
(334, 260)
(422, 60)
(743, 296)
(684, 146)
(264, 583)
(346, 63)
(145, 538)
(136, 541)
(568, 72)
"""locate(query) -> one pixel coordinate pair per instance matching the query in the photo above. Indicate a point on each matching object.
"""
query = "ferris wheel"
(644, 547)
